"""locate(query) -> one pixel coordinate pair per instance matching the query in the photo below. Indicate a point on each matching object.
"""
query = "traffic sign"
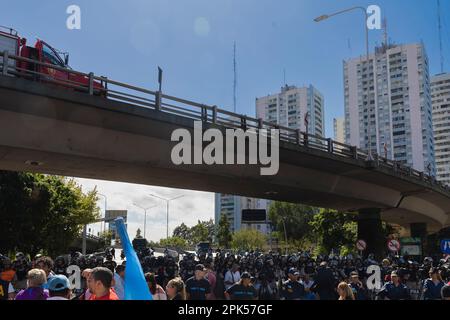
(393, 245)
(445, 246)
(361, 245)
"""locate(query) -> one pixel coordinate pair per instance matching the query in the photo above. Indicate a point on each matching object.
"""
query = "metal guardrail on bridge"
(122, 92)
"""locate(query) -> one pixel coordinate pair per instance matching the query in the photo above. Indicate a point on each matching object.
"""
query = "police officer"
(394, 290)
(292, 289)
(243, 290)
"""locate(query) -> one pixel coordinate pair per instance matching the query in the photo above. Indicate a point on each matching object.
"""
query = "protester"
(232, 276)
(156, 290)
(119, 281)
(100, 283)
(7, 291)
(46, 264)
(197, 287)
(345, 292)
(433, 285)
(445, 292)
(394, 289)
(176, 289)
(211, 277)
(36, 278)
(59, 288)
(307, 283)
(86, 295)
(357, 286)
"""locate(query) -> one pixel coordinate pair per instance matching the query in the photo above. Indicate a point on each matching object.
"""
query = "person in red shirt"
(100, 282)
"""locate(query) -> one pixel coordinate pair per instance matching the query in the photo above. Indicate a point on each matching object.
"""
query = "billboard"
(111, 215)
(253, 215)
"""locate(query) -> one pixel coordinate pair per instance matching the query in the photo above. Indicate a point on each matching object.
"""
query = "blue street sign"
(445, 246)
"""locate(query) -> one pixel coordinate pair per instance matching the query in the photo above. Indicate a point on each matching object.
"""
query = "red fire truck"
(42, 52)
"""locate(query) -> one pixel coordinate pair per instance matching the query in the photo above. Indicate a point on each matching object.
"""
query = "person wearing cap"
(243, 290)
(59, 288)
(359, 291)
(394, 289)
(292, 289)
(197, 287)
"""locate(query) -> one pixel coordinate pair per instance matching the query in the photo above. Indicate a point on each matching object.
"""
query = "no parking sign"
(393, 245)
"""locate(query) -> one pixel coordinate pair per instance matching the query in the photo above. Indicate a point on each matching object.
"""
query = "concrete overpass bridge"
(123, 134)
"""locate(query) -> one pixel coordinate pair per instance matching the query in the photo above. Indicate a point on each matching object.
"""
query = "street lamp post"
(104, 217)
(145, 216)
(167, 203)
(327, 16)
(285, 234)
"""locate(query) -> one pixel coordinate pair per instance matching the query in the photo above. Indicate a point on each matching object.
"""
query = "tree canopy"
(42, 212)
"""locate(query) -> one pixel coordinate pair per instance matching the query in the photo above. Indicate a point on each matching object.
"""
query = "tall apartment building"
(232, 206)
(388, 98)
(339, 129)
(440, 99)
(287, 108)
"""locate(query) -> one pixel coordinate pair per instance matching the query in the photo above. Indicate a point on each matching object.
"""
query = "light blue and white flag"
(135, 285)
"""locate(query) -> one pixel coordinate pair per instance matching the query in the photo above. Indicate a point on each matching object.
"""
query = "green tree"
(199, 233)
(182, 231)
(334, 230)
(105, 238)
(175, 242)
(297, 218)
(248, 239)
(223, 232)
(42, 212)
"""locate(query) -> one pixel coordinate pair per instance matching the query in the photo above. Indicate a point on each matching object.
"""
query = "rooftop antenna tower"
(234, 77)
(440, 34)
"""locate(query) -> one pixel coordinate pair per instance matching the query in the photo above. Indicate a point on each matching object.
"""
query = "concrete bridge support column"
(370, 230)
(419, 230)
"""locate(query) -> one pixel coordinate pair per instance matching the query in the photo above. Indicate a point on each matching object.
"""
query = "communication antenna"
(234, 77)
(440, 35)
(385, 33)
(284, 76)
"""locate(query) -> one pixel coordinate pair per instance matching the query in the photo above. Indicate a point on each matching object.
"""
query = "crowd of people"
(225, 275)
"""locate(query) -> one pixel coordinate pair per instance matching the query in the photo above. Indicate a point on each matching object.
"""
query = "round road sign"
(393, 245)
(361, 245)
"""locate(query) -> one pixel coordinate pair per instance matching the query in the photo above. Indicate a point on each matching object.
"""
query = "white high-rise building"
(232, 206)
(287, 108)
(440, 99)
(394, 89)
(339, 129)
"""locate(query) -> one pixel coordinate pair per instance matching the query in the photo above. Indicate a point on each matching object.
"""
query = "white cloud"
(201, 27)
(195, 205)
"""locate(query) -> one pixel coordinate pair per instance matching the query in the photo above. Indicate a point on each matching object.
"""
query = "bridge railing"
(141, 97)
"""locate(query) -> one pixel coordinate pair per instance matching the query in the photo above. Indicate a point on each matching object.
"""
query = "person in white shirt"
(59, 288)
(119, 282)
(232, 276)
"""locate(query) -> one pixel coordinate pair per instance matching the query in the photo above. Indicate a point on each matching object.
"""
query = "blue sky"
(192, 40)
